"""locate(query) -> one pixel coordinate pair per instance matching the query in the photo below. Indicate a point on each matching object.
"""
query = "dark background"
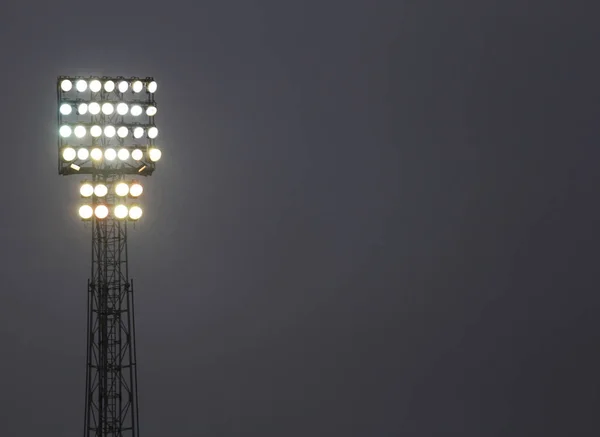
(372, 218)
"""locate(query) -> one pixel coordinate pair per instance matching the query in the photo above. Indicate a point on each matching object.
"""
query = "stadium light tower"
(106, 133)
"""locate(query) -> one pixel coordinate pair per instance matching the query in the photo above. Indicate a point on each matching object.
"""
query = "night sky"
(371, 218)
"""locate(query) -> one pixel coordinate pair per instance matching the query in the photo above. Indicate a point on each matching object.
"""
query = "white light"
(152, 87)
(85, 212)
(153, 132)
(154, 154)
(69, 154)
(95, 86)
(65, 109)
(136, 110)
(79, 131)
(65, 131)
(138, 132)
(123, 85)
(83, 154)
(96, 154)
(94, 108)
(100, 190)
(110, 154)
(136, 190)
(108, 108)
(151, 111)
(75, 167)
(122, 108)
(82, 108)
(137, 86)
(101, 211)
(109, 131)
(86, 190)
(135, 212)
(95, 131)
(121, 211)
(122, 132)
(123, 154)
(81, 85)
(137, 155)
(109, 86)
(122, 189)
(66, 85)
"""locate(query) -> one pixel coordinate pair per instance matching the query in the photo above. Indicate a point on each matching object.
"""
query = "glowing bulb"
(96, 154)
(86, 190)
(122, 132)
(137, 155)
(109, 86)
(122, 189)
(137, 86)
(138, 132)
(136, 189)
(65, 109)
(110, 154)
(94, 108)
(85, 212)
(66, 85)
(123, 154)
(79, 131)
(95, 86)
(100, 190)
(123, 85)
(82, 108)
(95, 131)
(154, 154)
(122, 108)
(152, 87)
(65, 131)
(108, 108)
(120, 211)
(83, 154)
(69, 154)
(151, 111)
(81, 85)
(109, 131)
(101, 211)
(136, 110)
(153, 132)
(135, 212)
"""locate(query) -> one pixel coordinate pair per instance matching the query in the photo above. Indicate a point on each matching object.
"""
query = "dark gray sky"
(372, 218)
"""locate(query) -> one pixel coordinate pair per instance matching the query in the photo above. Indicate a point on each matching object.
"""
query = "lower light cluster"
(113, 197)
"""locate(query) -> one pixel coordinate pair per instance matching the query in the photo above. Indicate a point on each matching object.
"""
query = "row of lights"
(120, 211)
(122, 189)
(109, 86)
(70, 154)
(109, 131)
(107, 108)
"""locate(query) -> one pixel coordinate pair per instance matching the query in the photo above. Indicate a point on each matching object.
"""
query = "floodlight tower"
(107, 134)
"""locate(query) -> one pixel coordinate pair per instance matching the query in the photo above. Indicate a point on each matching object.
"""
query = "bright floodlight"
(65, 109)
(69, 154)
(108, 108)
(101, 211)
(135, 212)
(121, 211)
(154, 154)
(94, 108)
(122, 108)
(138, 132)
(79, 131)
(86, 190)
(123, 85)
(153, 132)
(122, 189)
(137, 155)
(136, 189)
(151, 111)
(82, 108)
(65, 131)
(95, 131)
(137, 86)
(66, 85)
(96, 154)
(109, 86)
(95, 86)
(110, 154)
(136, 110)
(81, 85)
(109, 131)
(85, 212)
(152, 87)
(122, 132)
(100, 190)
(123, 154)
(83, 154)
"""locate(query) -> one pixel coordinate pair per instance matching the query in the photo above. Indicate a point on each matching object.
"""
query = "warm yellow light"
(85, 212)
(96, 154)
(122, 189)
(86, 189)
(154, 154)
(123, 154)
(137, 155)
(69, 154)
(136, 189)
(121, 211)
(135, 212)
(95, 86)
(101, 211)
(66, 85)
(100, 190)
